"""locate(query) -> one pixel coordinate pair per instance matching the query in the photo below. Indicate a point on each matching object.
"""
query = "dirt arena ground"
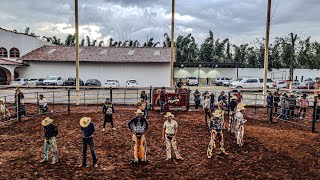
(271, 151)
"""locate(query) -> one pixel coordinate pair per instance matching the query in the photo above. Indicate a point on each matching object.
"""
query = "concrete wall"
(147, 74)
(243, 72)
(24, 43)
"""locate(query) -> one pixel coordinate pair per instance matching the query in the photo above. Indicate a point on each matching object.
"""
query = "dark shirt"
(197, 96)
(233, 105)
(50, 131)
(88, 131)
(144, 96)
(212, 97)
(20, 96)
(163, 95)
(106, 107)
(135, 126)
(180, 84)
(220, 97)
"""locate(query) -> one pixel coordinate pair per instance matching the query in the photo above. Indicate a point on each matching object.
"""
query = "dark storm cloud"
(140, 19)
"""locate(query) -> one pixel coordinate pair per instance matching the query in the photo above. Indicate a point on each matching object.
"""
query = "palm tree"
(100, 43)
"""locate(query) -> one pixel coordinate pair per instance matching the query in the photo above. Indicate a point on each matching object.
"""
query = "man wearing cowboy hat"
(206, 108)
(138, 125)
(169, 134)
(87, 128)
(142, 104)
(50, 134)
(240, 123)
(216, 139)
(233, 106)
(303, 103)
(43, 105)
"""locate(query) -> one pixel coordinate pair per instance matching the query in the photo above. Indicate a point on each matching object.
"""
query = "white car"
(19, 81)
(250, 83)
(34, 82)
(112, 83)
(192, 81)
(227, 83)
(132, 83)
(53, 81)
(220, 80)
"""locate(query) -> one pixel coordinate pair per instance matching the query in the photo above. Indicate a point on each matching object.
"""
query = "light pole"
(172, 45)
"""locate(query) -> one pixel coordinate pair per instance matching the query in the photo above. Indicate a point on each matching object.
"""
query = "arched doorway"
(5, 76)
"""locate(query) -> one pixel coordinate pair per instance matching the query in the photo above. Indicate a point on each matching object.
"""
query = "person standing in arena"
(240, 123)
(303, 104)
(163, 99)
(206, 108)
(50, 134)
(233, 107)
(197, 98)
(108, 110)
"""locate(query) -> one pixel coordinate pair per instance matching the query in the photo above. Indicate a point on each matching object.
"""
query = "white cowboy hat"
(139, 112)
(85, 121)
(241, 106)
(169, 114)
(234, 98)
(216, 113)
(46, 121)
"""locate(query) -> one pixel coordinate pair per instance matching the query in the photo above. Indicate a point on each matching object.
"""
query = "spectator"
(197, 98)
(206, 108)
(292, 105)
(303, 104)
(269, 101)
(240, 123)
(43, 105)
(222, 94)
(108, 110)
(317, 86)
(19, 101)
(276, 100)
(143, 95)
(204, 95)
(233, 107)
(284, 107)
(318, 108)
(212, 102)
(180, 83)
(50, 134)
(163, 99)
(4, 111)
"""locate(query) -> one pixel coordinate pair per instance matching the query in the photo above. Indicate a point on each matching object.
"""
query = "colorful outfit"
(139, 144)
(43, 105)
(303, 103)
(170, 129)
(206, 108)
(87, 139)
(108, 110)
(216, 140)
(50, 133)
(240, 127)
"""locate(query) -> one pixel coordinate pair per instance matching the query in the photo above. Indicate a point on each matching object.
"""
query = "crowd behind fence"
(278, 107)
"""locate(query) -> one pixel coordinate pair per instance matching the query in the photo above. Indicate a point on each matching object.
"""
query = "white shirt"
(206, 103)
(170, 127)
(43, 102)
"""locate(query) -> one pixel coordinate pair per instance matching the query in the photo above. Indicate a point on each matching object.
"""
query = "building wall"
(147, 74)
(243, 72)
(24, 43)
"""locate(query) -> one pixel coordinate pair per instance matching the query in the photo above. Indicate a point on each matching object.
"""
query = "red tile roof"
(8, 62)
(100, 54)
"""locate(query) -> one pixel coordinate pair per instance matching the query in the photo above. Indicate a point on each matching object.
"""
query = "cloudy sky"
(239, 20)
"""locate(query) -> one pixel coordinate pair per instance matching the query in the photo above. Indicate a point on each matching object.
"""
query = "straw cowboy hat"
(234, 98)
(139, 112)
(169, 114)
(46, 121)
(241, 106)
(216, 113)
(85, 121)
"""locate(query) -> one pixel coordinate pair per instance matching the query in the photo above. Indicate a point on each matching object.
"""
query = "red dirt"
(280, 151)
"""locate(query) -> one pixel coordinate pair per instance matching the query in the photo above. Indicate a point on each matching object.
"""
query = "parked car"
(40, 82)
(220, 80)
(132, 83)
(112, 83)
(19, 81)
(309, 79)
(53, 81)
(227, 83)
(93, 82)
(192, 81)
(306, 85)
(71, 81)
(34, 82)
(280, 84)
(250, 83)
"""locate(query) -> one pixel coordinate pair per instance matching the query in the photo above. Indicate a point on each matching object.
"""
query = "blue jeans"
(51, 143)
(85, 142)
(161, 106)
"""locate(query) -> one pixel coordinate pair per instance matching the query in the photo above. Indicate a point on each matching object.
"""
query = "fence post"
(314, 114)
(84, 98)
(53, 100)
(188, 98)
(97, 97)
(271, 109)
(111, 94)
(150, 97)
(229, 100)
(17, 105)
(68, 101)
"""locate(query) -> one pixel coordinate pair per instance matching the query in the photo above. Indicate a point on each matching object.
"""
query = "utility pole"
(266, 54)
(77, 51)
(172, 45)
(293, 40)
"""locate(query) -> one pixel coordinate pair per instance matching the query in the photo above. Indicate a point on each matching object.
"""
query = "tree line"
(284, 52)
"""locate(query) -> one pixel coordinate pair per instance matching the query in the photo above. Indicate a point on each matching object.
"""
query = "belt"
(87, 137)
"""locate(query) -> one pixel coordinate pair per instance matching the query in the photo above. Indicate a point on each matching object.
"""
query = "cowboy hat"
(304, 95)
(139, 112)
(85, 121)
(234, 98)
(46, 121)
(241, 106)
(169, 114)
(216, 113)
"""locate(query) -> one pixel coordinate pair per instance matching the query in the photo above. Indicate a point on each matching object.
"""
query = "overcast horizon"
(139, 20)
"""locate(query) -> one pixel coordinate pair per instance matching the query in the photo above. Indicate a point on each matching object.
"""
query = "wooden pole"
(172, 46)
(77, 51)
(266, 61)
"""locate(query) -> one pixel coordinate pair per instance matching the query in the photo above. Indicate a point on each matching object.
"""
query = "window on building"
(3, 52)
(14, 53)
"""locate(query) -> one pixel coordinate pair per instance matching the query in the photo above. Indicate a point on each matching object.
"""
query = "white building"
(12, 46)
(149, 66)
